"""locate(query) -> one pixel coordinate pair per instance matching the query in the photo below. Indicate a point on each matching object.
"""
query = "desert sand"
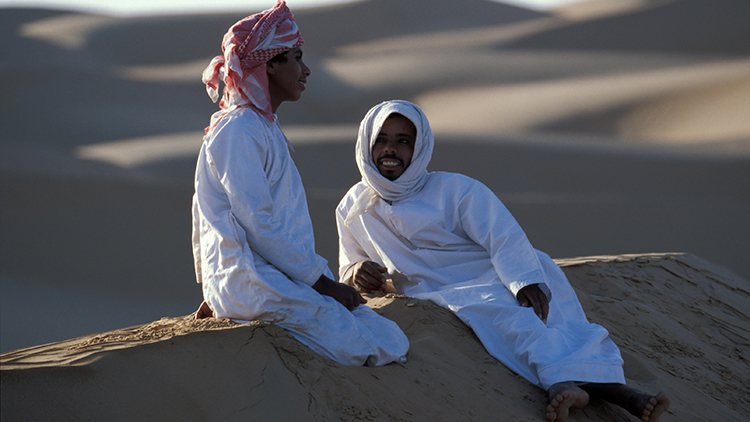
(618, 130)
(680, 321)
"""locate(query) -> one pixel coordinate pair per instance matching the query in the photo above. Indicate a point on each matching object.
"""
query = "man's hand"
(533, 296)
(204, 311)
(345, 295)
(367, 276)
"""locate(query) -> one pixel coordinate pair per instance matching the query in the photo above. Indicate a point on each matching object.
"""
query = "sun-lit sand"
(613, 130)
(679, 321)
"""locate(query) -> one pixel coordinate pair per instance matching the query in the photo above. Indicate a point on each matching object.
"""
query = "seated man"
(252, 236)
(458, 246)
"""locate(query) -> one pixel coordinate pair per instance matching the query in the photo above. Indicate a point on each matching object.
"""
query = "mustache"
(390, 157)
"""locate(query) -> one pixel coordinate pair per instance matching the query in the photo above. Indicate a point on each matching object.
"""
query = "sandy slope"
(680, 321)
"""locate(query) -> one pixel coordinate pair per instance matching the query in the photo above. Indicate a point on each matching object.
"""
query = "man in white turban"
(447, 238)
(253, 243)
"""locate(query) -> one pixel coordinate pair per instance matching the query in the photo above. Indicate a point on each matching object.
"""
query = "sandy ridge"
(693, 345)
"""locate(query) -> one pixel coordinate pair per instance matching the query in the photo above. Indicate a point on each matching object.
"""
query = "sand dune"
(680, 321)
(668, 26)
(608, 128)
(682, 117)
(536, 105)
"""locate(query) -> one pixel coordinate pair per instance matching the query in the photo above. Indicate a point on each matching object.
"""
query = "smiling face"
(287, 78)
(394, 146)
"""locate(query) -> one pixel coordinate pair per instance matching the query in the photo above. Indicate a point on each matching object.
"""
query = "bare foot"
(652, 409)
(562, 397)
(204, 311)
(644, 406)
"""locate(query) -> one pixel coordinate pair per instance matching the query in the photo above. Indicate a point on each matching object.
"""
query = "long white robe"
(254, 249)
(461, 248)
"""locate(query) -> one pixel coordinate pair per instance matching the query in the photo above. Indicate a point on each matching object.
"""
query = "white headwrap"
(413, 178)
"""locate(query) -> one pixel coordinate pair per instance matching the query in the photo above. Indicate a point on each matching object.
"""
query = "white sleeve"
(198, 265)
(350, 251)
(239, 162)
(488, 222)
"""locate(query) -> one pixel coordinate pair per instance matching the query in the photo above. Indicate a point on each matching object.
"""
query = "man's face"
(394, 146)
(286, 80)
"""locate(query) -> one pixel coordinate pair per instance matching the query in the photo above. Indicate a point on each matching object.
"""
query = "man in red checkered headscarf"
(253, 244)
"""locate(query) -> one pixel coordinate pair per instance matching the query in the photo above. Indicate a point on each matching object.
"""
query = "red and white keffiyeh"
(247, 46)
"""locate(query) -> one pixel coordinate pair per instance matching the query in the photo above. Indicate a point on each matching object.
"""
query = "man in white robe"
(252, 235)
(453, 242)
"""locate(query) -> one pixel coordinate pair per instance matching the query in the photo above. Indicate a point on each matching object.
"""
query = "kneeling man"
(459, 247)
(253, 243)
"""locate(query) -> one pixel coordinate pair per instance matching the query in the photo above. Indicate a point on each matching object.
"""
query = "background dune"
(606, 127)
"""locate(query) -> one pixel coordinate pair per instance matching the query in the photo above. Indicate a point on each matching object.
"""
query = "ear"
(270, 69)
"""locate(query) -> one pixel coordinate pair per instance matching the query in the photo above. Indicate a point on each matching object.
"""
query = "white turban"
(413, 178)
